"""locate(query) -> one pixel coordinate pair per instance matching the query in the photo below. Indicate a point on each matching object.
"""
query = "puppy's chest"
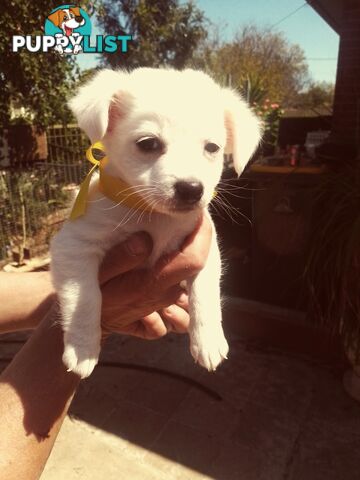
(167, 233)
(166, 240)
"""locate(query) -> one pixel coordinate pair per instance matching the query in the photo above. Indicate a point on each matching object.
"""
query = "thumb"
(125, 256)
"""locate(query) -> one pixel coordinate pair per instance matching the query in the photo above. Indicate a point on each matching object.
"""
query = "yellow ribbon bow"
(79, 206)
(113, 188)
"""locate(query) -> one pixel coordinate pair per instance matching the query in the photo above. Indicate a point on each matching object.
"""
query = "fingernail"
(138, 244)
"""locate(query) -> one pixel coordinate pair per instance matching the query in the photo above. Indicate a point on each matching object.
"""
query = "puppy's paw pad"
(80, 360)
(209, 350)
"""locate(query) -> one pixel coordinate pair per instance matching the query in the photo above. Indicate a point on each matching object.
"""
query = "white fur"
(185, 109)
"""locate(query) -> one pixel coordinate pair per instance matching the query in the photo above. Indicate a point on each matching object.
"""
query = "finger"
(153, 326)
(176, 317)
(125, 256)
(172, 269)
(183, 301)
(171, 295)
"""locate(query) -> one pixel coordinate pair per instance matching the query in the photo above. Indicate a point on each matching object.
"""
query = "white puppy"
(165, 133)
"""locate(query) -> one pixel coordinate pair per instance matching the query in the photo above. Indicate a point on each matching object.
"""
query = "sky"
(302, 26)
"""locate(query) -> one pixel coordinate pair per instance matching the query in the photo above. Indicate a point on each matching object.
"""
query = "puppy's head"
(69, 17)
(166, 131)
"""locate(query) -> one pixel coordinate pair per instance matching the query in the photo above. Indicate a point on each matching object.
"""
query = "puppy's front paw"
(80, 359)
(209, 348)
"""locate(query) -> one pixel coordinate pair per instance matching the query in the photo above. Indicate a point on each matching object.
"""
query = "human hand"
(154, 295)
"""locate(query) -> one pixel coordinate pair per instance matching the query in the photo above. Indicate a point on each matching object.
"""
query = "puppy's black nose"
(188, 192)
(79, 18)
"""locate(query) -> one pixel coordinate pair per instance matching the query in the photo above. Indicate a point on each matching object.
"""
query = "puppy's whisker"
(126, 219)
(130, 214)
(233, 213)
(217, 210)
(230, 188)
(228, 207)
(230, 211)
(140, 217)
(127, 197)
(146, 212)
(152, 205)
(153, 208)
(238, 187)
(149, 203)
(97, 200)
(222, 208)
(134, 187)
(230, 182)
(232, 194)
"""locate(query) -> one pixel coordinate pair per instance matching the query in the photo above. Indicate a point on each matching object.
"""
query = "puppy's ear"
(55, 18)
(98, 102)
(242, 129)
(76, 11)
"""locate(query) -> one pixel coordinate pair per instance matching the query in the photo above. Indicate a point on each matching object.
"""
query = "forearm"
(24, 298)
(35, 392)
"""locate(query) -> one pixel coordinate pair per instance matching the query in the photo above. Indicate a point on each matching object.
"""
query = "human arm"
(36, 389)
(24, 298)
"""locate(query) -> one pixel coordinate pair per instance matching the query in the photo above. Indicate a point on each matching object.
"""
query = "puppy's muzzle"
(188, 192)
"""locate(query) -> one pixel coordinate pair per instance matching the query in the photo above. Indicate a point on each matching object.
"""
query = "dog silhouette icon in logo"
(68, 23)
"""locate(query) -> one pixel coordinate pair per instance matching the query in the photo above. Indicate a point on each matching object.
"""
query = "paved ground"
(267, 416)
(264, 415)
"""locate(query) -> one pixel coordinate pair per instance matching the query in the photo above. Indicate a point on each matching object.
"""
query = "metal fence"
(34, 200)
(66, 152)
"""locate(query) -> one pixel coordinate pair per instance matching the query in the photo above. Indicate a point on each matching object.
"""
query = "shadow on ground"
(264, 415)
(275, 416)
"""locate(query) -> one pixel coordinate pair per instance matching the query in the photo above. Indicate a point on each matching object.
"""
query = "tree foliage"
(259, 58)
(164, 32)
(37, 82)
(318, 95)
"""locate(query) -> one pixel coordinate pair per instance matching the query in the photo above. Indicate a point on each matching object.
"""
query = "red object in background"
(294, 155)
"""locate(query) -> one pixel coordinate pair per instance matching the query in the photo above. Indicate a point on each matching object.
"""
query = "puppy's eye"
(150, 144)
(212, 147)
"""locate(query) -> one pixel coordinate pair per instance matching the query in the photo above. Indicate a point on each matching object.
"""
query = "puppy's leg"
(208, 344)
(75, 277)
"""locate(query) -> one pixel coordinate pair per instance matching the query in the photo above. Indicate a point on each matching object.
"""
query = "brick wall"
(346, 122)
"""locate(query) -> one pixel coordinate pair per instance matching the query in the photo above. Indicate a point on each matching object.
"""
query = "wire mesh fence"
(34, 200)
(66, 152)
